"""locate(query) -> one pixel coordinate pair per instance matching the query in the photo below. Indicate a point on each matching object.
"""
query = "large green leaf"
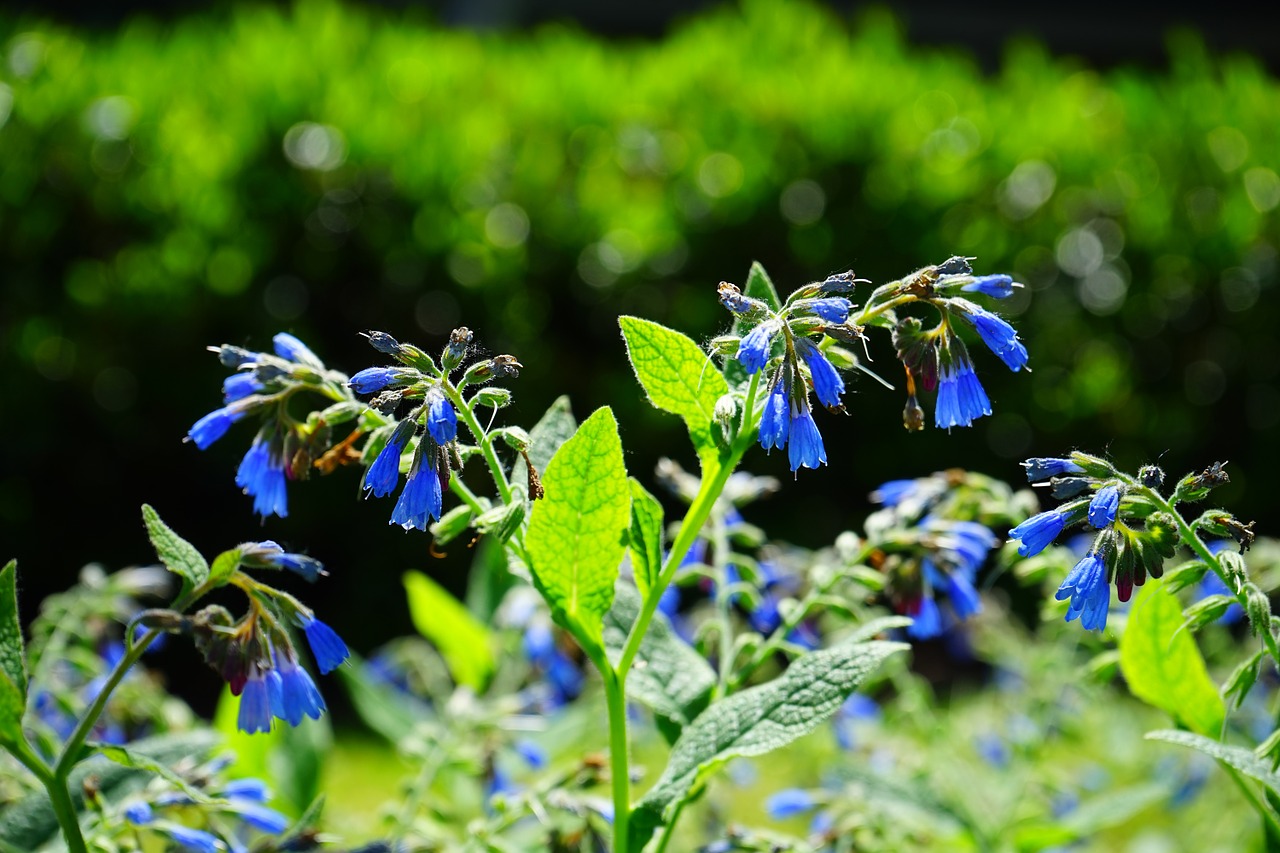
(645, 537)
(178, 555)
(1162, 663)
(13, 669)
(668, 675)
(1244, 760)
(578, 531)
(464, 643)
(678, 377)
(760, 720)
(553, 429)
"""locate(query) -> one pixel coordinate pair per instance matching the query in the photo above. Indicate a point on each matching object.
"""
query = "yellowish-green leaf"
(645, 537)
(464, 642)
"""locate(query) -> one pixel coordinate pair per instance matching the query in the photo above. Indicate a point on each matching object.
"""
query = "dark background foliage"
(175, 182)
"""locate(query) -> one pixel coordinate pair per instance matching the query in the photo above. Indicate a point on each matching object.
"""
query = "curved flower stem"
(871, 311)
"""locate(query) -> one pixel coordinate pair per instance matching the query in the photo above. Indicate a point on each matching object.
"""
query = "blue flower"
(191, 839)
(927, 618)
(326, 646)
(253, 790)
(237, 386)
(856, 710)
(832, 309)
(964, 598)
(1042, 468)
(384, 473)
(993, 750)
(962, 544)
(774, 421)
(262, 476)
(961, 398)
(753, 350)
(442, 420)
(827, 384)
(894, 492)
(999, 336)
(1038, 531)
(804, 449)
(297, 694)
(308, 567)
(533, 755)
(732, 298)
(421, 500)
(255, 705)
(1086, 585)
(383, 342)
(260, 817)
(214, 425)
(289, 347)
(138, 813)
(766, 617)
(373, 379)
(1213, 585)
(789, 802)
(1102, 509)
(997, 286)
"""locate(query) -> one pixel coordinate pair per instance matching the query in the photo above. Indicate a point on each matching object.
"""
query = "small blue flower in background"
(961, 398)
(291, 349)
(993, 750)
(1102, 509)
(259, 817)
(253, 790)
(753, 350)
(999, 337)
(856, 712)
(789, 802)
(928, 619)
(894, 492)
(326, 646)
(138, 813)
(1090, 593)
(1038, 531)
(191, 839)
(995, 286)
(1211, 584)
(533, 755)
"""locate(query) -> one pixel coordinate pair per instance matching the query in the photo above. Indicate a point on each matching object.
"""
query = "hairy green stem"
(482, 440)
(670, 828)
(619, 763)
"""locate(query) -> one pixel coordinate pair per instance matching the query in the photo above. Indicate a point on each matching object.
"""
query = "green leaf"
(1162, 663)
(679, 378)
(178, 555)
(384, 709)
(464, 642)
(577, 532)
(225, 565)
(129, 757)
(668, 675)
(760, 286)
(13, 670)
(553, 429)
(645, 537)
(1237, 757)
(762, 719)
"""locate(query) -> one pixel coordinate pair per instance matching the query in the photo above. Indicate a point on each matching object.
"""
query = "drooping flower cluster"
(284, 448)
(1132, 541)
(256, 654)
(424, 441)
(796, 349)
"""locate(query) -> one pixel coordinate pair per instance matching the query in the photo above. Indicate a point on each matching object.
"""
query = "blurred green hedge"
(330, 168)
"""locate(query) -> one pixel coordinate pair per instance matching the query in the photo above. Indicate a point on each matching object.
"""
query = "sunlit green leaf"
(178, 555)
(463, 641)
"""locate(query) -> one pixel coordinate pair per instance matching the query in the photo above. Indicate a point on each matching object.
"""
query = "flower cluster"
(284, 448)
(242, 800)
(424, 442)
(1132, 541)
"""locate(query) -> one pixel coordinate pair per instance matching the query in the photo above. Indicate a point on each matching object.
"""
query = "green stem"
(482, 441)
(1260, 807)
(720, 546)
(669, 829)
(64, 808)
(869, 312)
(619, 765)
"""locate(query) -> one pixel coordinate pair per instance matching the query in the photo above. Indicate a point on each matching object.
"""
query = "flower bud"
(725, 344)
(913, 415)
(383, 342)
(456, 349)
(451, 525)
(1258, 606)
(515, 438)
(1151, 476)
(1162, 530)
(726, 408)
(1093, 465)
(955, 265)
(495, 398)
(1194, 487)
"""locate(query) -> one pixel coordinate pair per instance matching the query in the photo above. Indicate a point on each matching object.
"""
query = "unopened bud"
(493, 397)
(726, 408)
(1193, 487)
(956, 265)
(383, 342)
(725, 344)
(913, 415)
(1151, 476)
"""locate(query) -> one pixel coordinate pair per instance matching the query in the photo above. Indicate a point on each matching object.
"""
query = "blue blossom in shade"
(214, 426)
(421, 500)
(805, 636)
(856, 710)
(1038, 531)
(999, 336)
(823, 822)
(564, 678)
(326, 646)
(927, 618)
(804, 448)
(372, 379)
(237, 386)
(964, 598)
(669, 601)
(533, 755)
(995, 286)
(289, 347)
(442, 420)
(895, 492)
(260, 817)
(1213, 585)
(298, 695)
(993, 750)
(539, 643)
(774, 422)
(255, 705)
(252, 790)
(1043, 467)
(753, 350)
(827, 384)
(1102, 509)
(384, 473)
(138, 813)
(789, 802)
(832, 309)
(961, 398)
(308, 567)
(765, 618)
(1086, 585)
(191, 839)
(963, 544)
(261, 475)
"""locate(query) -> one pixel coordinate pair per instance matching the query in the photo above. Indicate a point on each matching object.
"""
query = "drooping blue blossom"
(1038, 531)
(1042, 468)
(1102, 509)
(993, 750)
(255, 704)
(1090, 593)
(964, 598)
(138, 813)
(927, 618)
(804, 447)
(827, 384)
(214, 425)
(999, 336)
(753, 350)
(442, 420)
(856, 711)
(196, 840)
(963, 545)
(384, 473)
(327, 647)
(421, 500)
(765, 617)
(961, 398)
(290, 348)
(260, 817)
(250, 789)
(789, 802)
(237, 386)
(995, 286)
(262, 475)
(300, 564)
(373, 379)
(895, 492)
(774, 423)
(832, 309)
(298, 695)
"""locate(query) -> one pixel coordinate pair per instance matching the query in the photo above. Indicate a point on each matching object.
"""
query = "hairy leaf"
(645, 537)
(178, 555)
(225, 564)
(464, 642)
(1241, 759)
(13, 670)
